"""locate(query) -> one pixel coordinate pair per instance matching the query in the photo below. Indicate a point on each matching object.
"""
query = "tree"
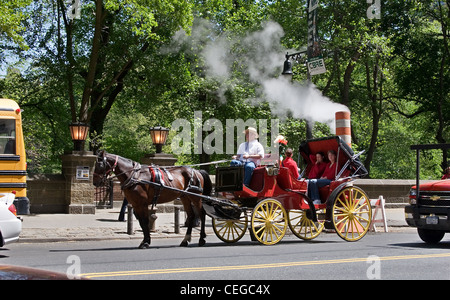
(95, 54)
(122, 65)
(424, 75)
(11, 17)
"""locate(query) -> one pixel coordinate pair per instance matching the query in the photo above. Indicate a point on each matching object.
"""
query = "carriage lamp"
(78, 131)
(159, 136)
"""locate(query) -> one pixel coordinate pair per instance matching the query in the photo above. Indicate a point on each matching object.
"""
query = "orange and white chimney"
(343, 127)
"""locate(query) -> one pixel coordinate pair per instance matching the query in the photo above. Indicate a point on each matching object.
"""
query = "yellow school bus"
(13, 166)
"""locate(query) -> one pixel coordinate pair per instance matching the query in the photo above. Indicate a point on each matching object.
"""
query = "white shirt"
(251, 148)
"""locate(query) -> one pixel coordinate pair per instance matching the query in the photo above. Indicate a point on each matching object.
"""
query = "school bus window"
(7, 136)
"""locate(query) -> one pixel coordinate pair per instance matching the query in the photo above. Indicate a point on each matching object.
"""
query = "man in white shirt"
(249, 154)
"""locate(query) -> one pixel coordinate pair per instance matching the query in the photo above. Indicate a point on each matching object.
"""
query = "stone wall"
(66, 192)
(394, 191)
(48, 193)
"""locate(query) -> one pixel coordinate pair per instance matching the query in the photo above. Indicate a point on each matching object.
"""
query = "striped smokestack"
(343, 128)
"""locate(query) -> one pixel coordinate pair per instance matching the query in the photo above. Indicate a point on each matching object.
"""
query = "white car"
(10, 224)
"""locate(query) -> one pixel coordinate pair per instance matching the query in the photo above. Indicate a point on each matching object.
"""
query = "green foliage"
(12, 13)
(392, 73)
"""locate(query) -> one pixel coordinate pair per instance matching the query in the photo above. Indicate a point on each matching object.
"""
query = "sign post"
(316, 64)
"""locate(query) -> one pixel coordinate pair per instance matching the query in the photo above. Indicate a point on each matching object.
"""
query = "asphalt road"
(396, 255)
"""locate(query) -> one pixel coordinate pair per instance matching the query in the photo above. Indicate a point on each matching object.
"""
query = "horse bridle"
(103, 163)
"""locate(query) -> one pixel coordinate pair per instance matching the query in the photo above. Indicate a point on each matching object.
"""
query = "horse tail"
(207, 183)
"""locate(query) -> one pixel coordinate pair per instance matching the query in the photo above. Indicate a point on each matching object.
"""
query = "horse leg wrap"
(186, 240)
(144, 245)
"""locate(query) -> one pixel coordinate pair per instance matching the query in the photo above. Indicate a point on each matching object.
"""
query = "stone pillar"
(78, 170)
(159, 159)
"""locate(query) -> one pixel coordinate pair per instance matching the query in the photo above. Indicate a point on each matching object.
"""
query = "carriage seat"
(257, 181)
(287, 182)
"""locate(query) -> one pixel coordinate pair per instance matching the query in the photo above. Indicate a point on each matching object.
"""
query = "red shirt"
(289, 163)
(317, 170)
(330, 171)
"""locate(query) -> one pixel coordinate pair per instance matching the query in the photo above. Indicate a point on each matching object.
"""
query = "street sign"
(316, 66)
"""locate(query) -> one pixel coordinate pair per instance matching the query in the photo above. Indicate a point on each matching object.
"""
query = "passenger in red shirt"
(446, 174)
(330, 169)
(326, 178)
(318, 167)
(289, 163)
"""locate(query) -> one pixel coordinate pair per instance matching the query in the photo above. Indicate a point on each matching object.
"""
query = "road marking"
(258, 266)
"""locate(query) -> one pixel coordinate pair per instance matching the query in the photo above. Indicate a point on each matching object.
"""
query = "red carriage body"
(274, 199)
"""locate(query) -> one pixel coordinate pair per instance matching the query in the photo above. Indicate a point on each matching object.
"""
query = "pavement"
(104, 225)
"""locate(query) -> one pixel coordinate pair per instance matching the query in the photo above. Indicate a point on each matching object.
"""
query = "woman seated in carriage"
(328, 175)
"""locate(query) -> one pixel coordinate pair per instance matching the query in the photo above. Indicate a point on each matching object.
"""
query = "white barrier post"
(378, 204)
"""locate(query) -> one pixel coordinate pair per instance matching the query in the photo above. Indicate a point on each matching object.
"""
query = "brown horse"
(145, 186)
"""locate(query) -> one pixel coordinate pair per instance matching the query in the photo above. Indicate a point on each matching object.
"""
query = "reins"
(201, 164)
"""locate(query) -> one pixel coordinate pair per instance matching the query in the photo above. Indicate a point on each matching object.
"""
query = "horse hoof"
(201, 243)
(184, 244)
(144, 245)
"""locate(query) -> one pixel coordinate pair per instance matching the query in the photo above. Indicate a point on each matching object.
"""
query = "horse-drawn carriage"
(273, 201)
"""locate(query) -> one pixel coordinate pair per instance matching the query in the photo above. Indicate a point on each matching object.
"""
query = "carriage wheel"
(230, 231)
(351, 213)
(269, 222)
(302, 225)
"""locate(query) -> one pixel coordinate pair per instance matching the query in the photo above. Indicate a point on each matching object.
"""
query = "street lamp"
(287, 67)
(159, 137)
(287, 71)
(78, 131)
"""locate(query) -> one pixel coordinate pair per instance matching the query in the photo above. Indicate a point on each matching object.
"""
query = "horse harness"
(159, 178)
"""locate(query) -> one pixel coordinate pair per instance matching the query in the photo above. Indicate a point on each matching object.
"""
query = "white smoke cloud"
(260, 55)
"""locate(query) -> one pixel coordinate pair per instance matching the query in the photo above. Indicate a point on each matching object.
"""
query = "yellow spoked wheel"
(302, 225)
(351, 213)
(269, 222)
(230, 231)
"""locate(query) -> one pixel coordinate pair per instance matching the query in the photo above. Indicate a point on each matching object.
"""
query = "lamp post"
(78, 168)
(159, 137)
(78, 131)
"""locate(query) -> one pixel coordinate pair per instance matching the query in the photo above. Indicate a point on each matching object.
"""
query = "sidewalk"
(103, 225)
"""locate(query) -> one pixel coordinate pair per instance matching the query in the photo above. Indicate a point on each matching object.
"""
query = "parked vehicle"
(13, 166)
(10, 224)
(8, 272)
(429, 208)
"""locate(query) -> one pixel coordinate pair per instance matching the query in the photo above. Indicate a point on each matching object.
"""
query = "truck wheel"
(430, 236)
